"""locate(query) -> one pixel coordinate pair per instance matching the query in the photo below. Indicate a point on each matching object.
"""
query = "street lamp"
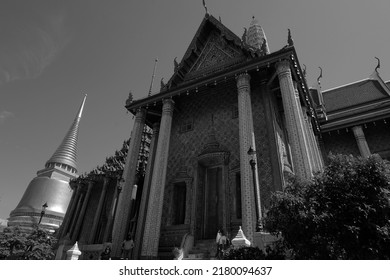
(44, 206)
(252, 162)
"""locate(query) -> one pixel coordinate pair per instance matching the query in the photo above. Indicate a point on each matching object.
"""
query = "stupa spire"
(66, 153)
(256, 37)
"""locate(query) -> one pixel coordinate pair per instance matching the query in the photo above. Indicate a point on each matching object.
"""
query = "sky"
(53, 52)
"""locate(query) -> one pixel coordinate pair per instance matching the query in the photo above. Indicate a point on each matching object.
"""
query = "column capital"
(156, 127)
(106, 180)
(283, 67)
(358, 131)
(168, 105)
(140, 115)
(361, 141)
(243, 79)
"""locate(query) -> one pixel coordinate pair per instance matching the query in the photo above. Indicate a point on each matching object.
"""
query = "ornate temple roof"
(214, 47)
(66, 153)
(357, 102)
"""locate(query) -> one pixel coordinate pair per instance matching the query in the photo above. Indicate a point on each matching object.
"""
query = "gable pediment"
(217, 51)
(213, 48)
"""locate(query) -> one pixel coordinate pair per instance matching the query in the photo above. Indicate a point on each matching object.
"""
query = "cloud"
(4, 115)
(33, 35)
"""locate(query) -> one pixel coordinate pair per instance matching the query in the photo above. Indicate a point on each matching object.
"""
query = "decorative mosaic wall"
(217, 107)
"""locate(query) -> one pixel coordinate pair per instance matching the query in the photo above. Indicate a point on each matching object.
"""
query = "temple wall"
(343, 142)
(378, 138)
(339, 142)
(185, 147)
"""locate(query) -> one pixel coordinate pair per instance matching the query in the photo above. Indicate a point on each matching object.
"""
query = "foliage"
(18, 245)
(253, 253)
(344, 213)
(244, 253)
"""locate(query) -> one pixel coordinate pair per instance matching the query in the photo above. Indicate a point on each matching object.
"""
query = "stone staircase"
(203, 250)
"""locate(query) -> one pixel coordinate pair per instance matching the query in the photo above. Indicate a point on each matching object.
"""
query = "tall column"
(295, 132)
(106, 180)
(69, 213)
(122, 219)
(157, 187)
(246, 141)
(114, 203)
(309, 139)
(316, 148)
(146, 192)
(82, 211)
(77, 211)
(361, 141)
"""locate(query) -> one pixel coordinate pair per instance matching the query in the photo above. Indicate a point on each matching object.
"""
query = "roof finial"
(162, 84)
(176, 64)
(378, 65)
(290, 41)
(205, 7)
(320, 76)
(154, 71)
(243, 38)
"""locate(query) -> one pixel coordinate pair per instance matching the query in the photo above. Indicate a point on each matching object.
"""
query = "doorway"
(213, 202)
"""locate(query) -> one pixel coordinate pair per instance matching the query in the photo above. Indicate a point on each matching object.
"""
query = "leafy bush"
(18, 245)
(344, 213)
(254, 253)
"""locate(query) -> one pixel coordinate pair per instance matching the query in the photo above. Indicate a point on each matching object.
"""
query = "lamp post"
(252, 162)
(44, 206)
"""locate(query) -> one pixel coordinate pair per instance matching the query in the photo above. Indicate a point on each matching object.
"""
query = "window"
(187, 125)
(179, 203)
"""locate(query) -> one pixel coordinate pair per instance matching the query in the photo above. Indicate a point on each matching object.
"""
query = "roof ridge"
(346, 85)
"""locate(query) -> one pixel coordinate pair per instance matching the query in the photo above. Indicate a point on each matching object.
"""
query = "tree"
(344, 213)
(35, 245)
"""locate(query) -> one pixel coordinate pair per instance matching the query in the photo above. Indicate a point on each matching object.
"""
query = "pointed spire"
(256, 36)
(66, 153)
(290, 41)
(153, 75)
(319, 89)
(205, 7)
(378, 65)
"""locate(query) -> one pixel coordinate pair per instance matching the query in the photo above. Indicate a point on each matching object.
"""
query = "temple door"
(213, 202)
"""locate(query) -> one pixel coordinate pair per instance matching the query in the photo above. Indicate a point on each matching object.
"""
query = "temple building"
(228, 129)
(46, 198)
(355, 118)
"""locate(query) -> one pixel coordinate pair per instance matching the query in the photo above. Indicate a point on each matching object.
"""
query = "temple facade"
(46, 198)
(228, 129)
